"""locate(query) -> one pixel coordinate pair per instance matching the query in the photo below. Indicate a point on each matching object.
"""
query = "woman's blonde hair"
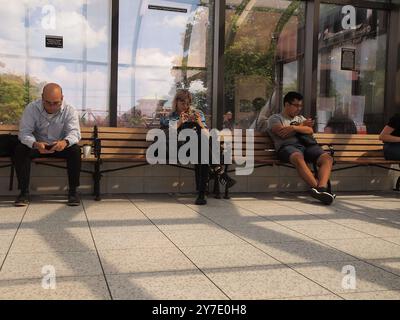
(182, 94)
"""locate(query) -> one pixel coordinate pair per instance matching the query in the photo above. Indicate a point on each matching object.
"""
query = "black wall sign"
(348, 59)
(153, 7)
(54, 42)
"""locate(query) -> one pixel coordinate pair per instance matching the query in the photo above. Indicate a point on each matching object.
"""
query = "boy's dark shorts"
(310, 153)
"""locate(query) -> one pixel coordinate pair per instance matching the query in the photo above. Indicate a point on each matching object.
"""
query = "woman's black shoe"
(73, 200)
(22, 200)
(201, 199)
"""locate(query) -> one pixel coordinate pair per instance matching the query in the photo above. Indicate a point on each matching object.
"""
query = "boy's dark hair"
(291, 96)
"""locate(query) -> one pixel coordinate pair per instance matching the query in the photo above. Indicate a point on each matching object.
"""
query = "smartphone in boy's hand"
(309, 122)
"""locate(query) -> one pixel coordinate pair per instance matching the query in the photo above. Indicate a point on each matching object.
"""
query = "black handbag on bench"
(8, 142)
(306, 140)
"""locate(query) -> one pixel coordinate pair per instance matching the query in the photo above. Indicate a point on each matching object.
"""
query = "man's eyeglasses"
(297, 105)
(52, 103)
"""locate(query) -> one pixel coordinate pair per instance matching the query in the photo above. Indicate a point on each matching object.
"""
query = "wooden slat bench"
(124, 145)
(87, 138)
(110, 145)
(354, 150)
(357, 150)
(118, 145)
(129, 145)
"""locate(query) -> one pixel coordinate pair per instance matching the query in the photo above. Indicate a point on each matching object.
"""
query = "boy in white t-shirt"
(292, 136)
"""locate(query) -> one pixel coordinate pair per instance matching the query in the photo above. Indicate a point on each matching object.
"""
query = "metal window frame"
(361, 4)
(217, 63)
(311, 52)
(307, 78)
(311, 58)
(29, 58)
(218, 95)
(392, 102)
(113, 107)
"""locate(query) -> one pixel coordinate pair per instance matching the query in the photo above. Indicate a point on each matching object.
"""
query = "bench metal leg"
(226, 195)
(216, 191)
(12, 169)
(397, 185)
(96, 182)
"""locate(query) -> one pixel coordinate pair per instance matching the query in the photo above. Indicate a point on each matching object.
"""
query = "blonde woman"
(183, 112)
(188, 117)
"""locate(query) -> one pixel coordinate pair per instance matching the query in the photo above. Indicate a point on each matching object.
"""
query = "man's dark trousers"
(22, 161)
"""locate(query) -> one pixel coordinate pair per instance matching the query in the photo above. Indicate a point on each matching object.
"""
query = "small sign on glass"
(54, 42)
(348, 59)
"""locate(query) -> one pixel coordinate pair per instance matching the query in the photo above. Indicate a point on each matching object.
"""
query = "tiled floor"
(262, 246)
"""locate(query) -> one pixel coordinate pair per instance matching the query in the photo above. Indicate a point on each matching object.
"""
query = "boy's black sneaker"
(22, 200)
(322, 195)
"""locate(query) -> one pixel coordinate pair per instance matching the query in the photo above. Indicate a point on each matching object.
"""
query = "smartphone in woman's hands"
(49, 146)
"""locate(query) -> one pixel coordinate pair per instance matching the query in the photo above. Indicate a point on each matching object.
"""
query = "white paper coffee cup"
(87, 149)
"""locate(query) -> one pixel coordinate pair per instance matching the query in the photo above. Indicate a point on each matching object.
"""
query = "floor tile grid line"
(269, 255)
(354, 293)
(28, 208)
(209, 279)
(319, 217)
(97, 251)
(366, 292)
(347, 210)
(307, 236)
(387, 240)
(394, 195)
(326, 244)
(167, 272)
(64, 277)
(322, 218)
(334, 222)
(13, 239)
(308, 296)
(144, 274)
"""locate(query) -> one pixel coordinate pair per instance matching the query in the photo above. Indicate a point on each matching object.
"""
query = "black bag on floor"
(8, 142)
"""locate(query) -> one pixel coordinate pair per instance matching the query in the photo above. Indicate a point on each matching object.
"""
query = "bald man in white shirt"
(49, 127)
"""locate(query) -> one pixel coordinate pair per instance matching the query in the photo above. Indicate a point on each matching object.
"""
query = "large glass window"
(263, 57)
(351, 69)
(81, 66)
(167, 44)
(163, 45)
